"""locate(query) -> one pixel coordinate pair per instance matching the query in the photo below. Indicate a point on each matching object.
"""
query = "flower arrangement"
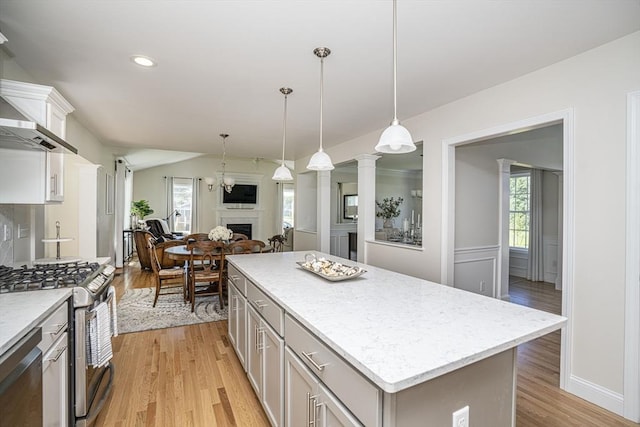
(389, 208)
(220, 233)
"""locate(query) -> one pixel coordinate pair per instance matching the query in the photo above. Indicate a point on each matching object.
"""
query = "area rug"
(136, 312)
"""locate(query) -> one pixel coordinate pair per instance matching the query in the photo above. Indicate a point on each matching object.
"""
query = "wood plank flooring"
(190, 376)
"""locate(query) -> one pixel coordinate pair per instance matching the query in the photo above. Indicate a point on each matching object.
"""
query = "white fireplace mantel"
(242, 216)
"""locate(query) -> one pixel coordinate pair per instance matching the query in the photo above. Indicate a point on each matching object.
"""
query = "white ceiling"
(221, 63)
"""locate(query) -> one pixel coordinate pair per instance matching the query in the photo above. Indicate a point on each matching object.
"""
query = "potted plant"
(389, 209)
(140, 209)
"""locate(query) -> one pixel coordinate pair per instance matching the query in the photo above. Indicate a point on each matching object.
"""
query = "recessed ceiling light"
(143, 61)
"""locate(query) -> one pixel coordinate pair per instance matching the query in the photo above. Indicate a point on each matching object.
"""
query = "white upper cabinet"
(30, 176)
(41, 104)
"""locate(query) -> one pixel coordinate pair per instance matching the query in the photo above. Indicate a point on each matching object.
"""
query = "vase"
(388, 223)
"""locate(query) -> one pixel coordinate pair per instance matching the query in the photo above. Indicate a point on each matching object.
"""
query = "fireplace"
(245, 229)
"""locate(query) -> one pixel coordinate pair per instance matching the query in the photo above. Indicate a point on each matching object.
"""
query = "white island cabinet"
(354, 356)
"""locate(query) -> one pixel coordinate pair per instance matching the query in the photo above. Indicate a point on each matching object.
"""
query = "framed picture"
(110, 195)
(350, 206)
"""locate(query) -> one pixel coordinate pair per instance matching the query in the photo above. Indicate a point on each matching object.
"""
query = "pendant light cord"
(284, 126)
(395, 66)
(321, 92)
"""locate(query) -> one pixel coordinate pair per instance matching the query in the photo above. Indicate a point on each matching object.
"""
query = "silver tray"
(359, 273)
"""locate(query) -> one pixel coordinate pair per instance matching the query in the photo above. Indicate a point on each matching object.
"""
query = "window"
(182, 194)
(519, 206)
(287, 205)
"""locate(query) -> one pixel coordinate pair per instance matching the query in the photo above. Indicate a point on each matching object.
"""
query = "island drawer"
(362, 398)
(54, 327)
(238, 280)
(268, 309)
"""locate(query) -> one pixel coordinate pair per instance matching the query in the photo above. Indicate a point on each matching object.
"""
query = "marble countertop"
(397, 330)
(22, 311)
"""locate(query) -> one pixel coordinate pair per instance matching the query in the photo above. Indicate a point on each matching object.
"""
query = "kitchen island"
(392, 349)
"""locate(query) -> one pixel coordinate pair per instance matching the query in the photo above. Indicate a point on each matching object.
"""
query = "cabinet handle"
(309, 357)
(57, 356)
(61, 327)
(235, 306)
(311, 409)
(260, 339)
(258, 305)
(255, 337)
(233, 278)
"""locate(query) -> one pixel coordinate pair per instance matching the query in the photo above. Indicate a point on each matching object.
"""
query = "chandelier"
(227, 182)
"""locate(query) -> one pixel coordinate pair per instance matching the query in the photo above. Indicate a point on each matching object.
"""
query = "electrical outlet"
(460, 418)
(482, 283)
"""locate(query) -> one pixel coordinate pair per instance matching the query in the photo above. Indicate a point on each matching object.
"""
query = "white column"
(366, 202)
(88, 210)
(119, 211)
(502, 281)
(323, 230)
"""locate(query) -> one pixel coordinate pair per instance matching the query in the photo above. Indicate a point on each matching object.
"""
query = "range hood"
(24, 108)
(26, 135)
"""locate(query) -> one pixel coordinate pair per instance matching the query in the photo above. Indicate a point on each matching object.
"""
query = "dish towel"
(100, 337)
(111, 296)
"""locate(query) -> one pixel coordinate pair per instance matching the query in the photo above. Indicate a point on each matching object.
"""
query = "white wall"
(594, 84)
(149, 184)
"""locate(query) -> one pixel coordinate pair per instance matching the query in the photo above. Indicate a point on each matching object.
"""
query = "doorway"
(563, 118)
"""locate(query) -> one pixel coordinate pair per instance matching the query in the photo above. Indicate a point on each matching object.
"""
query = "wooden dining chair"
(206, 265)
(238, 236)
(245, 247)
(197, 236)
(167, 278)
(276, 242)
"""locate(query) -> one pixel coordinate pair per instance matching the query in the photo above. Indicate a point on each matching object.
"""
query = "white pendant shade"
(228, 181)
(282, 174)
(320, 161)
(395, 139)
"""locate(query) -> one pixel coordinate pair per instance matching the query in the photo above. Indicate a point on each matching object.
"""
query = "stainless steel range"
(90, 287)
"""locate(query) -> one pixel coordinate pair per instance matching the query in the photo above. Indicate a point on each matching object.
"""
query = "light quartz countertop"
(397, 330)
(22, 311)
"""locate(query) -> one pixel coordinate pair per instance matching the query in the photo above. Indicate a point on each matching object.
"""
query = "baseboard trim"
(596, 394)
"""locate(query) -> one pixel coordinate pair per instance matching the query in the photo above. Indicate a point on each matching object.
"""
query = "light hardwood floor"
(190, 376)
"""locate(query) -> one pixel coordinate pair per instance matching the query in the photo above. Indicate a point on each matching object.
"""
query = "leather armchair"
(141, 236)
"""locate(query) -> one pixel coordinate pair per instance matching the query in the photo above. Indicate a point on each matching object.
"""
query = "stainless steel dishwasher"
(21, 383)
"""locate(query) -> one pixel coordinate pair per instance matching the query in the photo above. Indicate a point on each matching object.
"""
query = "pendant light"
(283, 173)
(321, 161)
(395, 139)
(227, 182)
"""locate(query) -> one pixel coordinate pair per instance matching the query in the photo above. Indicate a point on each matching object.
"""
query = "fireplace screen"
(241, 228)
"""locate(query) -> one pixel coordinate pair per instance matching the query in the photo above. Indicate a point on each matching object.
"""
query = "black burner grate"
(50, 276)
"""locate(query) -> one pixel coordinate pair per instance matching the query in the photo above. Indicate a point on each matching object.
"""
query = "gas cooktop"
(88, 280)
